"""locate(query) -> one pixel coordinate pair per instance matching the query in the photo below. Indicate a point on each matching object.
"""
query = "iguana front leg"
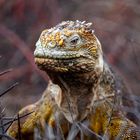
(42, 112)
(112, 124)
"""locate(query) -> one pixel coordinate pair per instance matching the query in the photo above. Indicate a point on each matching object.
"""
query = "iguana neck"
(75, 81)
(84, 83)
(81, 90)
(77, 93)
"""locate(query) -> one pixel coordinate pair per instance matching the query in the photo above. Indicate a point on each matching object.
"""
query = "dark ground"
(116, 23)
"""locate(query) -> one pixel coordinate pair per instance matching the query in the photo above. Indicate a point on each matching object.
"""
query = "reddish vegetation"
(116, 23)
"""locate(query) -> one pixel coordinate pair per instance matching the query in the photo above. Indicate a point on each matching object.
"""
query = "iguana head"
(70, 46)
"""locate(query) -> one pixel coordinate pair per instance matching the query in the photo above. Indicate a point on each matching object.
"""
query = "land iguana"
(83, 91)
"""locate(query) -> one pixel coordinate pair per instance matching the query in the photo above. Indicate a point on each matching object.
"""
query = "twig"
(59, 129)
(90, 131)
(67, 99)
(7, 118)
(15, 119)
(22, 70)
(2, 127)
(19, 128)
(81, 131)
(6, 136)
(4, 72)
(11, 87)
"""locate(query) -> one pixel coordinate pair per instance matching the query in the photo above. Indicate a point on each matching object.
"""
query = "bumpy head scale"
(57, 35)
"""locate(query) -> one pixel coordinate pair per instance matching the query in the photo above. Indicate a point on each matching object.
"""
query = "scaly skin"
(82, 89)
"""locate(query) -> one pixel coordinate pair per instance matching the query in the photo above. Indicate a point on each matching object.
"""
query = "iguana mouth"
(54, 64)
(56, 54)
(64, 64)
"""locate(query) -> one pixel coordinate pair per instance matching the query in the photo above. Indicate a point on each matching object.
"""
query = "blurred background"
(116, 24)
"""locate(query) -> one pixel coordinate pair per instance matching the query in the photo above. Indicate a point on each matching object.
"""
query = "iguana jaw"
(76, 65)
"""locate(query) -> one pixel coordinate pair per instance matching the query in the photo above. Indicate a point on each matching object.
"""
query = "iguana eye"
(51, 44)
(75, 40)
